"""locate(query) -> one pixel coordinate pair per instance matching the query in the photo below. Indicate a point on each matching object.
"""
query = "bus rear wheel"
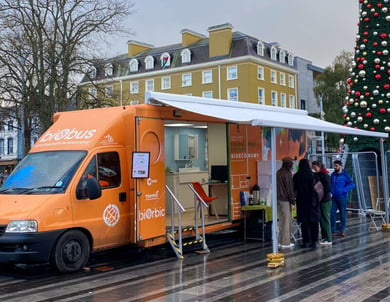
(71, 252)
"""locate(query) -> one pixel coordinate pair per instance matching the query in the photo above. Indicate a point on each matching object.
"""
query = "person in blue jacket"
(341, 184)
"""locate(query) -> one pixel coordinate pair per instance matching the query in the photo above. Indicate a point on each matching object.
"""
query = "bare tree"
(332, 85)
(44, 46)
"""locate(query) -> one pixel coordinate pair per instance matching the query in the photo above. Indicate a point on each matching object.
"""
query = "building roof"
(242, 45)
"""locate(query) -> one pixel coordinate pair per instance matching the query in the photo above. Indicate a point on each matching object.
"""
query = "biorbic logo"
(67, 134)
(150, 214)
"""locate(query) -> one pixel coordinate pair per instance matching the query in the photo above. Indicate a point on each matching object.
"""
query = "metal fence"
(365, 171)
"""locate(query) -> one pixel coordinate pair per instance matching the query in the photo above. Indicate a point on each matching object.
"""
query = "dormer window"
(274, 52)
(108, 70)
(92, 72)
(185, 56)
(165, 60)
(290, 59)
(260, 48)
(133, 65)
(149, 62)
(282, 56)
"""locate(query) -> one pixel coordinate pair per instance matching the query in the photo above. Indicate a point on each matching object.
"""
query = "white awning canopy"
(253, 114)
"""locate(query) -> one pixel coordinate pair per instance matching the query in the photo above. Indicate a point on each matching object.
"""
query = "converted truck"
(96, 179)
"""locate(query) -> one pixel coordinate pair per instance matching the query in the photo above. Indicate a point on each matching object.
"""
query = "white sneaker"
(287, 246)
(325, 242)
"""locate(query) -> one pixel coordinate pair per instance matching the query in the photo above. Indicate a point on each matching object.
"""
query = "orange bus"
(96, 178)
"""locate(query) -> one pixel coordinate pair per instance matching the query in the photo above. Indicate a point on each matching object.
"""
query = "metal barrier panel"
(365, 172)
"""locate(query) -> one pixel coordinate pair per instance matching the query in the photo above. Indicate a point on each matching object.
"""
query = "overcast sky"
(317, 30)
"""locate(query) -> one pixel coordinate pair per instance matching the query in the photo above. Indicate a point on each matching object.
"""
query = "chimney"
(188, 37)
(135, 47)
(220, 39)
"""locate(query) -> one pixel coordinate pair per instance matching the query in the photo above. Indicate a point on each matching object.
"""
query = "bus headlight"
(22, 226)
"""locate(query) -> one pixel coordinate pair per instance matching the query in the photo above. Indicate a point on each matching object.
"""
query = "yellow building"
(225, 65)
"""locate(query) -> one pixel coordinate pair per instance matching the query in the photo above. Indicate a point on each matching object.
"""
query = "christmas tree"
(367, 105)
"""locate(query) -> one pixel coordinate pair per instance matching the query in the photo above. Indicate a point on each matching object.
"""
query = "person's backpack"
(319, 188)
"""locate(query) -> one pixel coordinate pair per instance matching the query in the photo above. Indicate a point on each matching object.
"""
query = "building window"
(10, 125)
(291, 83)
(274, 52)
(133, 65)
(282, 56)
(207, 77)
(186, 79)
(165, 82)
(92, 72)
(303, 104)
(109, 91)
(134, 87)
(282, 77)
(232, 94)
(232, 73)
(149, 85)
(290, 59)
(207, 94)
(149, 62)
(185, 56)
(108, 70)
(260, 48)
(260, 96)
(92, 93)
(165, 60)
(10, 145)
(283, 100)
(274, 98)
(1, 146)
(291, 101)
(273, 77)
(260, 73)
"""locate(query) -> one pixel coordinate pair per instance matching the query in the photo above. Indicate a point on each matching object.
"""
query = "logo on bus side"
(111, 215)
(151, 213)
(67, 134)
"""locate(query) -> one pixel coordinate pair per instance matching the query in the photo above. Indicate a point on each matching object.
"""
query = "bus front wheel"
(71, 252)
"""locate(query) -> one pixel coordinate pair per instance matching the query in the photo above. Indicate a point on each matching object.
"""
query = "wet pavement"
(354, 268)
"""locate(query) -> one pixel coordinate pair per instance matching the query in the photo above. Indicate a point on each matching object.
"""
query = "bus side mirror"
(94, 190)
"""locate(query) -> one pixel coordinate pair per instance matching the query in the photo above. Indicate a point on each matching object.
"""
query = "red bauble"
(357, 93)
(378, 53)
(379, 5)
(376, 14)
(383, 36)
(377, 66)
(375, 43)
(388, 71)
(382, 110)
(378, 77)
(365, 33)
(366, 19)
(367, 93)
(368, 115)
(372, 129)
(361, 66)
(365, 41)
(386, 86)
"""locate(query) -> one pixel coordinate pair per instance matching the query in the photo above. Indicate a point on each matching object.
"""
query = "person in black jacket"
(308, 209)
(325, 203)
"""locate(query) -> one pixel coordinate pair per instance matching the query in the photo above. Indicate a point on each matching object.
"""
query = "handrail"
(203, 205)
(175, 204)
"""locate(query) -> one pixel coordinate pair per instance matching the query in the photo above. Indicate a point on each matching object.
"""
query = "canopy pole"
(384, 179)
(274, 193)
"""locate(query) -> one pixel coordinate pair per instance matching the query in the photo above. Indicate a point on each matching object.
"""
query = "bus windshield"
(43, 173)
